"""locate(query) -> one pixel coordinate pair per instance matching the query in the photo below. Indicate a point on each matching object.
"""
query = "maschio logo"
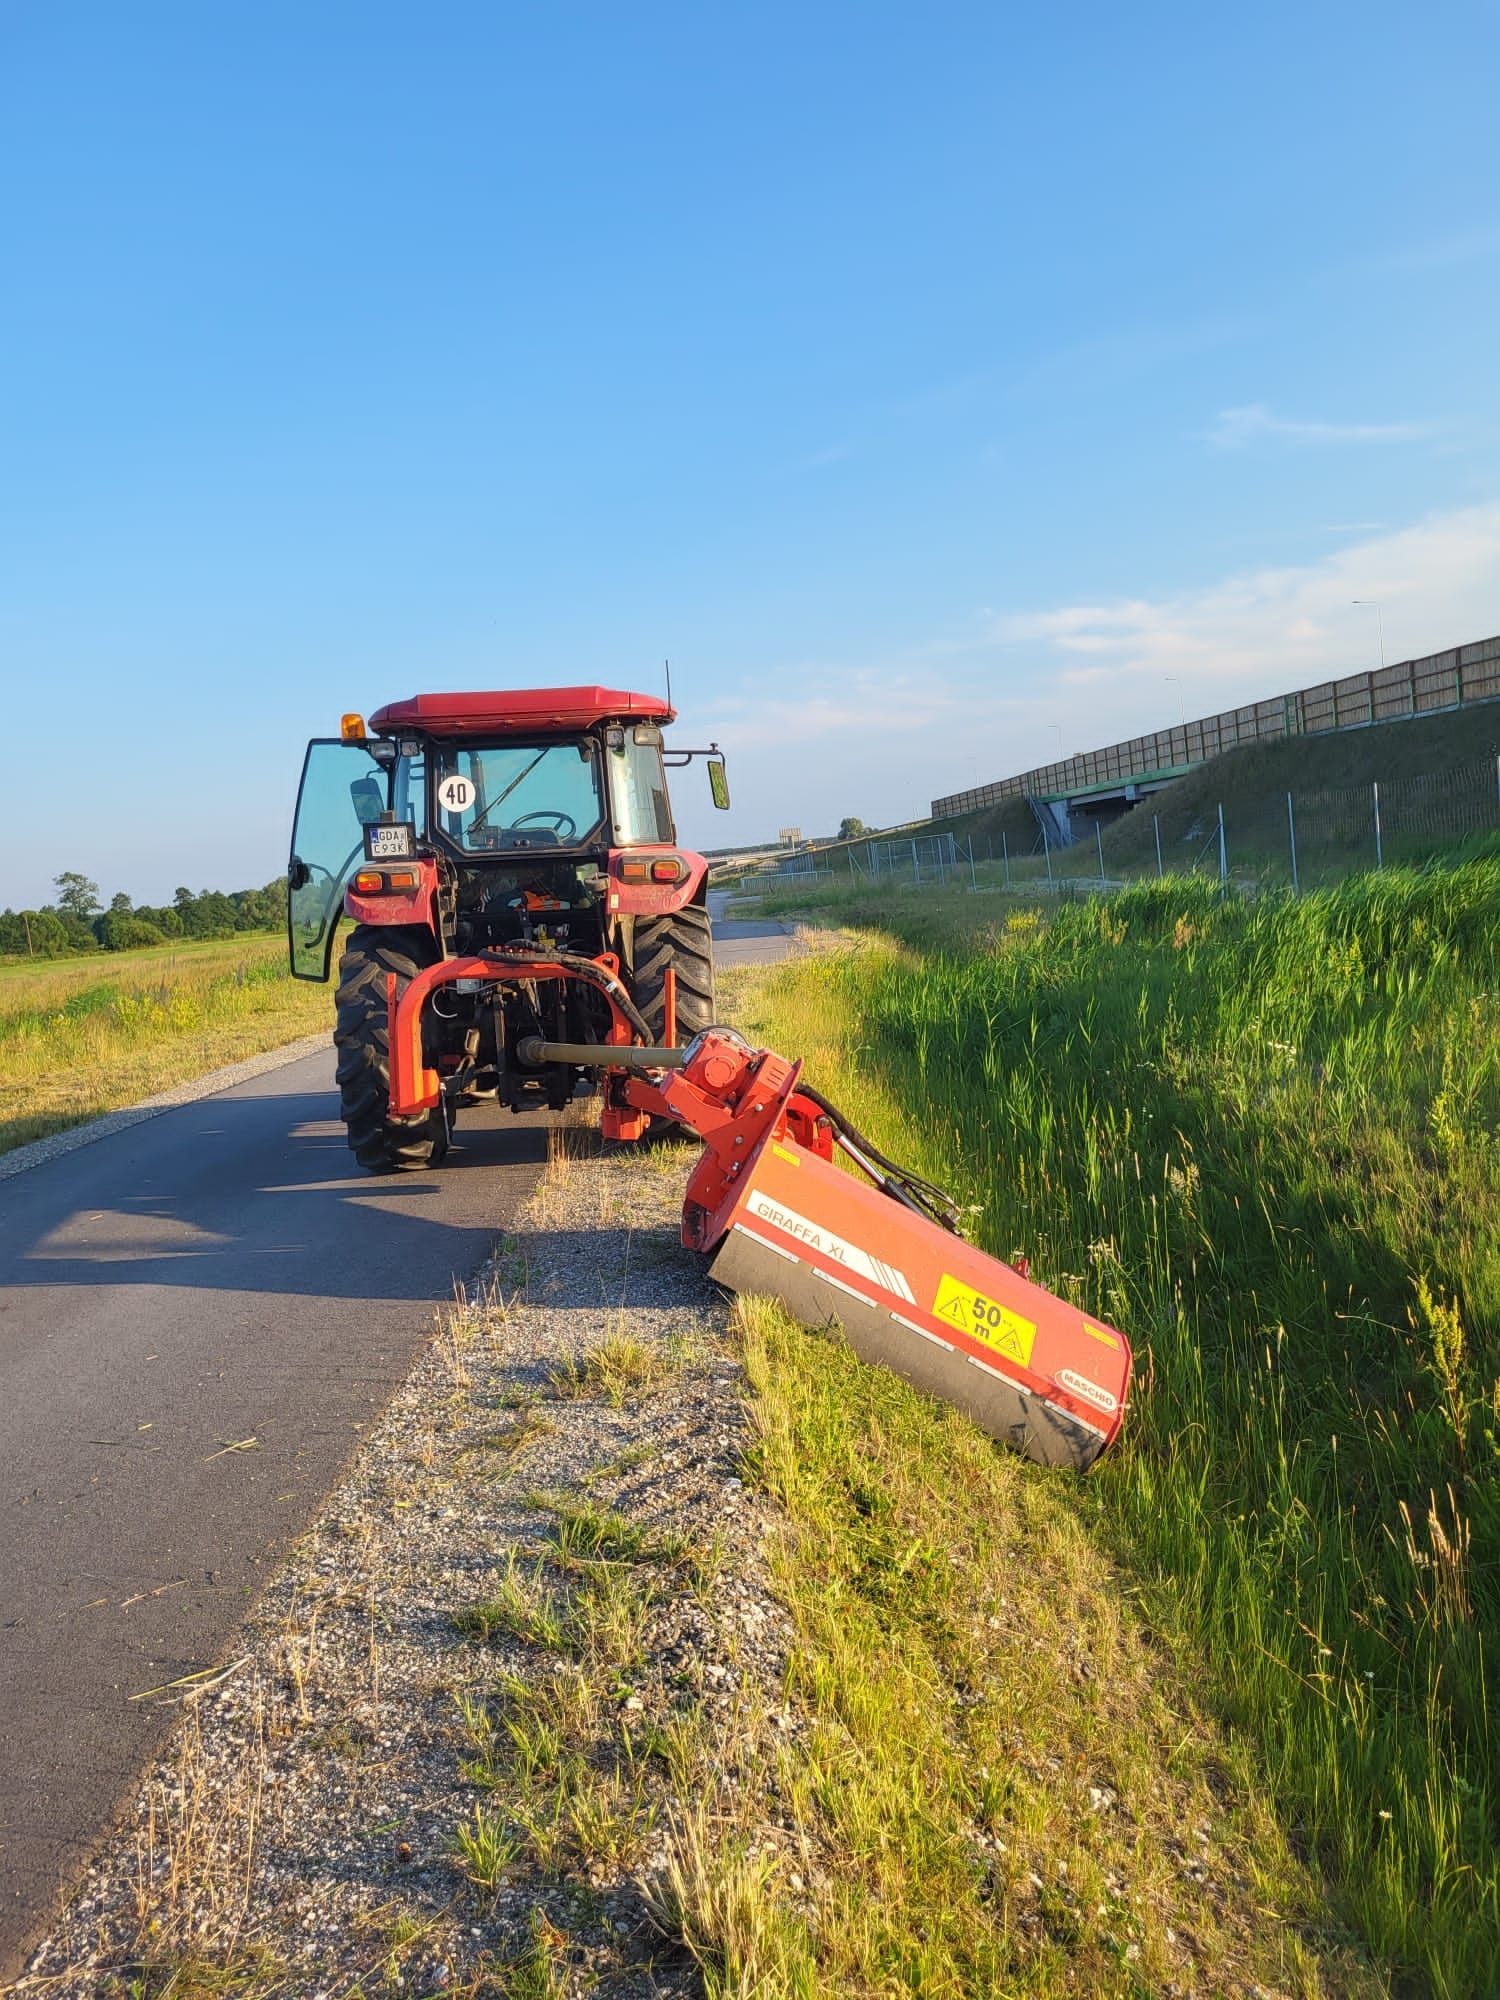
(1089, 1391)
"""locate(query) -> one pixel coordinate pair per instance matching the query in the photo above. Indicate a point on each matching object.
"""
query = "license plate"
(391, 843)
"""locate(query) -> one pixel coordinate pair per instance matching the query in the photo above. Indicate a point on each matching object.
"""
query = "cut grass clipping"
(560, 1752)
(1263, 1139)
(83, 1036)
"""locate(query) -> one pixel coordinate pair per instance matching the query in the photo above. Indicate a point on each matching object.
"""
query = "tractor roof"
(522, 710)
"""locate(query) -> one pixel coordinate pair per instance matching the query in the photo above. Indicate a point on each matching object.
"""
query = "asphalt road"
(200, 1317)
(756, 941)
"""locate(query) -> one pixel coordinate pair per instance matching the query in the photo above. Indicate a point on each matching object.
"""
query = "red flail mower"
(526, 930)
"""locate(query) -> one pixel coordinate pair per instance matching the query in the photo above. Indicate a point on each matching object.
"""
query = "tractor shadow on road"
(292, 1215)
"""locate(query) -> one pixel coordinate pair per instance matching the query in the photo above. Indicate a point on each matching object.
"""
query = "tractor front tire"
(682, 941)
(361, 1035)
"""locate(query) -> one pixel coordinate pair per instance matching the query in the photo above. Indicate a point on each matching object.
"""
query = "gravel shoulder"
(526, 1645)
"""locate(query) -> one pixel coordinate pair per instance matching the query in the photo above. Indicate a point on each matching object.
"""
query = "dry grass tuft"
(194, 1875)
(619, 1368)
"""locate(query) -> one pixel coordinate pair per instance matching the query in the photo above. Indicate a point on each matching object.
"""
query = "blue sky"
(928, 383)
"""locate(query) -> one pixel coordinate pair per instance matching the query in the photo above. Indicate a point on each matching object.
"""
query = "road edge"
(57, 1144)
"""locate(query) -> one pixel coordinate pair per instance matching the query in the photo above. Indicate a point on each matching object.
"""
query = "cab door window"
(344, 788)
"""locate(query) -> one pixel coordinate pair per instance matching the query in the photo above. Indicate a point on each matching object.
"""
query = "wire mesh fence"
(933, 858)
(1300, 840)
(1306, 838)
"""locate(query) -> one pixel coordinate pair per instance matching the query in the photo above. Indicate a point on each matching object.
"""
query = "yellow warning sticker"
(785, 1153)
(958, 1304)
(1098, 1333)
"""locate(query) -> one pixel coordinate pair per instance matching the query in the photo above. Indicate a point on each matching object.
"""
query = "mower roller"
(535, 976)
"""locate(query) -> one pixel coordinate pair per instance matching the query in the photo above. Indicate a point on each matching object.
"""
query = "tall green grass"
(1262, 1138)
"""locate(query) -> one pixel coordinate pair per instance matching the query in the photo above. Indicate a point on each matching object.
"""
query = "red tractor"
(510, 824)
(526, 928)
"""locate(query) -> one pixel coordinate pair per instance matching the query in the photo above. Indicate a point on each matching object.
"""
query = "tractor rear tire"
(361, 1034)
(682, 941)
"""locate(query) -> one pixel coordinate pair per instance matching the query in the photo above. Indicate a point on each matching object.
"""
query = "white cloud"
(811, 703)
(1271, 630)
(1252, 423)
(809, 743)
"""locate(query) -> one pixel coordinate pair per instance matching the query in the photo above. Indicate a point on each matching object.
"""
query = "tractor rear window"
(510, 797)
(638, 787)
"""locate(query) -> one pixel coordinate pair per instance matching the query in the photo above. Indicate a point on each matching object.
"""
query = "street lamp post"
(1374, 604)
(1172, 681)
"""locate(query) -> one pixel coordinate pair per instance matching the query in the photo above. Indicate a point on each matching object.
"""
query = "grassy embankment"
(1437, 773)
(1438, 783)
(1263, 1139)
(86, 1035)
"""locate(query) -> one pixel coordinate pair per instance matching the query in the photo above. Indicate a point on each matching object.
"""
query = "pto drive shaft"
(534, 1051)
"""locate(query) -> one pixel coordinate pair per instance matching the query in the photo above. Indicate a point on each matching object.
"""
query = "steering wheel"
(564, 826)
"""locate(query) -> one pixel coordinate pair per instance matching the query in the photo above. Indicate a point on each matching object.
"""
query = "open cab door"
(343, 790)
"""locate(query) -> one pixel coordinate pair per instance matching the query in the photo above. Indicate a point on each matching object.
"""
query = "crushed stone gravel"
(301, 1829)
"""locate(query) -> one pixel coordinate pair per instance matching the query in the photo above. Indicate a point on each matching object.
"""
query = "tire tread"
(361, 1036)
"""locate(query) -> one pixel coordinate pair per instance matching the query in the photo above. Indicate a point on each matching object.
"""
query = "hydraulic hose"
(585, 969)
(901, 1183)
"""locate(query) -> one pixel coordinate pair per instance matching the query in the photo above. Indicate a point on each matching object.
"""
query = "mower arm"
(876, 1251)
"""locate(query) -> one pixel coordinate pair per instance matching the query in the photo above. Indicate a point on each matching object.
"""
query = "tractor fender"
(397, 906)
(655, 899)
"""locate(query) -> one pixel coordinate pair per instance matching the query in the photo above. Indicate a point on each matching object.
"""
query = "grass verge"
(82, 1037)
(1001, 1786)
(1262, 1139)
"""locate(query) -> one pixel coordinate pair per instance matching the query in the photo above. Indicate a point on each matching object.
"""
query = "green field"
(1264, 1138)
(82, 1036)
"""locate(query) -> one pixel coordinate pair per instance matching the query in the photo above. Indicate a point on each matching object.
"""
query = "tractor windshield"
(500, 799)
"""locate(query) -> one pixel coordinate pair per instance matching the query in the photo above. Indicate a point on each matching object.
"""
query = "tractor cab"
(488, 818)
(456, 824)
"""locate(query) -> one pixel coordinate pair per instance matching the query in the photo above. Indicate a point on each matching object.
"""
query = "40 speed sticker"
(958, 1304)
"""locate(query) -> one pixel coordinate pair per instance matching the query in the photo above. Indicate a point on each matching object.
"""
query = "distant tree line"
(78, 920)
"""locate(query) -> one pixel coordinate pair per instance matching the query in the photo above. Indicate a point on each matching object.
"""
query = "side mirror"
(718, 783)
(368, 795)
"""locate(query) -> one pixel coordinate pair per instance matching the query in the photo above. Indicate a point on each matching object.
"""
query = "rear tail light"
(376, 882)
(659, 868)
